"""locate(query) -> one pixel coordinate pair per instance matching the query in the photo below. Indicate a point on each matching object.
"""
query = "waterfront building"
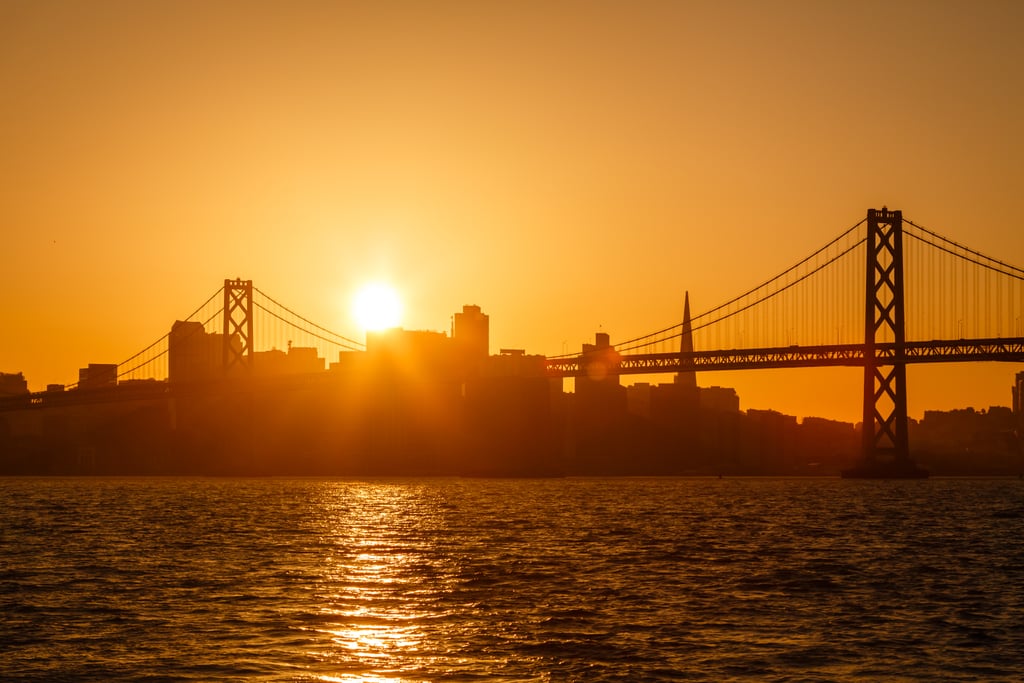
(298, 360)
(12, 384)
(97, 376)
(471, 333)
(194, 355)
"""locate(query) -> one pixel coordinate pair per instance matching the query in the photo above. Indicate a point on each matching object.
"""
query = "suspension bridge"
(966, 307)
(885, 293)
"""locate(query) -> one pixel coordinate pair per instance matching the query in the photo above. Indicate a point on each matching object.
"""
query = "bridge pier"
(886, 449)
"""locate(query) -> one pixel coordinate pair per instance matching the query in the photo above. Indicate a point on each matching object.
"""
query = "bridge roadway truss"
(834, 355)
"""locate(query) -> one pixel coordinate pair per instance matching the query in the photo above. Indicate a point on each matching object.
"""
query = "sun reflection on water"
(351, 678)
(370, 623)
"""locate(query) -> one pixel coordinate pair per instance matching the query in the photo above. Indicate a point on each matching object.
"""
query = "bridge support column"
(886, 450)
(238, 347)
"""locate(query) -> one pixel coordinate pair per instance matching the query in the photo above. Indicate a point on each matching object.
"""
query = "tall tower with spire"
(686, 378)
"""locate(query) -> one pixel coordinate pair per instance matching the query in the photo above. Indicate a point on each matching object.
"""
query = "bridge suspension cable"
(161, 353)
(151, 362)
(955, 292)
(761, 315)
(955, 247)
(280, 329)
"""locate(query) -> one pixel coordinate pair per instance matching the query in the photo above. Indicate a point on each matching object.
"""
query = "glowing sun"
(376, 306)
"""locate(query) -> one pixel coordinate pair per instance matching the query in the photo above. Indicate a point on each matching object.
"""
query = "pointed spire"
(689, 377)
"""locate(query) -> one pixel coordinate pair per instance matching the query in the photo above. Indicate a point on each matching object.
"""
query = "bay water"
(662, 579)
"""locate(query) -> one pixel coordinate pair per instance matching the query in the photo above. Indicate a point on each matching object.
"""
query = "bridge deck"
(836, 355)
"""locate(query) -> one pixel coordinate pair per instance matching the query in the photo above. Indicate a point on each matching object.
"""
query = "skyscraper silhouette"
(686, 378)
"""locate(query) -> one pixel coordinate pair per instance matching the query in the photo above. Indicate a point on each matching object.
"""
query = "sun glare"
(376, 306)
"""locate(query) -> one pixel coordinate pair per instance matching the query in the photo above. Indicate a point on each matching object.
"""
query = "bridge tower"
(238, 347)
(886, 450)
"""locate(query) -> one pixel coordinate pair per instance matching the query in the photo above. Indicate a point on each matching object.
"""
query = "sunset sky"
(567, 166)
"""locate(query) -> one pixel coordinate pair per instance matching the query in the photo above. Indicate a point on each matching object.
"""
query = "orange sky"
(568, 166)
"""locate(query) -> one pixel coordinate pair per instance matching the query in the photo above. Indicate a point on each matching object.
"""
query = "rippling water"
(546, 580)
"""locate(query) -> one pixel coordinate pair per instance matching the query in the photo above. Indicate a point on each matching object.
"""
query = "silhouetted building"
(599, 419)
(687, 378)
(406, 394)
(674, 412)
(663, 429)
(193, 355)
(599, 395)
(514, 363)
(1018, 397)
(510, 428)
(298, 360)
(97, 376)
(12, 384)
(1018, 410)
(826, 446)
(305, 359)
(719, 399)
(675, 404)
(638, 399)
(967, 441)
(411, 352)
(768, 443)
(471, 333)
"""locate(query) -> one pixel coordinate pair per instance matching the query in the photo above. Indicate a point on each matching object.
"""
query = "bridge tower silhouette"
(886, 448)
(238, 321)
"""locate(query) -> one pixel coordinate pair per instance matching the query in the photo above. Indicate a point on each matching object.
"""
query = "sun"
(376, 306)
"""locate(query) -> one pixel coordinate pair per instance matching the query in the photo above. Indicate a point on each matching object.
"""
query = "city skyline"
(267, 359)
(554, 164)
(267, 355)
(417, 402)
